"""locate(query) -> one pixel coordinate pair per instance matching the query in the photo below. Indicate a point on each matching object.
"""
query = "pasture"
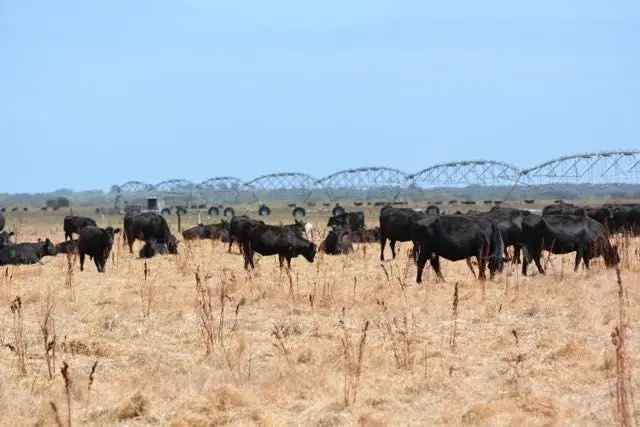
(195, 340)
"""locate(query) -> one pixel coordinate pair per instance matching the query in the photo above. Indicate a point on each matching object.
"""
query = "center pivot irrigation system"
(388, 184)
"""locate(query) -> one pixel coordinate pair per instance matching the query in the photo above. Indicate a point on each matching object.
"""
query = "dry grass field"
(197, 341)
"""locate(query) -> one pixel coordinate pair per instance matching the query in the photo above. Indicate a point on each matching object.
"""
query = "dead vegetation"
(194, 340)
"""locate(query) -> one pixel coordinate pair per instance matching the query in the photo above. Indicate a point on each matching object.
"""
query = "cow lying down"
(26, 253)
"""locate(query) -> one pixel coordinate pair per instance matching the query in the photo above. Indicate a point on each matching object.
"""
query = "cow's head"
(7, 238)
(48, 248)
(172, 245)
(309, 251)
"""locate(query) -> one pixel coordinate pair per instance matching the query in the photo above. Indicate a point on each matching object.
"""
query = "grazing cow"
(152, 248)
(73, 224)
(354, 221)
(67, 247)
(2, 222)
(395, 226)
(509, 221)
(563, 234)
(96, 242)
(239, 229)
(337, 242)
(457, 237)
(26, 253)
(7, 238)
(275, 240)
(148, 226)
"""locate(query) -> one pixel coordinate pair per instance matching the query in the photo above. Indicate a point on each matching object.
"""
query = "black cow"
(6, 238)
(210, 231)
(26, 253)
(563, 234)
(73, 224)
(367, 235)
(276, 240)
(2, 222)
(457, 237)
(395, 226)
(509, 221)
(337, 242)
(624, 218)
(149, 226)
(432, 210)
(67, 247)
(239, 229)
(152, 248)
(354, 221)
(96, 242)
(563, 209)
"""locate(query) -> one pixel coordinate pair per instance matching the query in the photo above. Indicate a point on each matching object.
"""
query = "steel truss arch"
(466, 173)
(174, 186)
(283, 186)
(135, 187)
(366, 183)
(223, 189)
(605, 167)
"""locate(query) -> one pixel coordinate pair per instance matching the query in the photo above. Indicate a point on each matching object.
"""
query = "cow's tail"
(496, 257)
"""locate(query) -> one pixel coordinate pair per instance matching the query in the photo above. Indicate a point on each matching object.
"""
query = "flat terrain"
(289, 349)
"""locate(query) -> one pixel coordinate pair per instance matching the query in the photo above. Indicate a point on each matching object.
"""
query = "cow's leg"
(579, 255)
(130, 243)
(392, 244)
(81, 261)
(66, 236)
(536, 259)
(98, 261)
(281, 260)
(421, 261)
(383, 242)
(482, 265)
(516, 254)
(230, 244)
(435, 264)
(289, 262)
(470, 265)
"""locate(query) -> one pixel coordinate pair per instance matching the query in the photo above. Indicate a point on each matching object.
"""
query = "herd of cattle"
(486, 236)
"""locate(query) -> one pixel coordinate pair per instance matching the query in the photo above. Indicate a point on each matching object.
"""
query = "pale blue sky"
(97, 93)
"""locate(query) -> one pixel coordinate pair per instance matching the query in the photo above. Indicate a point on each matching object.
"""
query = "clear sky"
(98, 93)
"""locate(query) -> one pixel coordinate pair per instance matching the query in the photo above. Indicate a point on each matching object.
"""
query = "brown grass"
(289, 348)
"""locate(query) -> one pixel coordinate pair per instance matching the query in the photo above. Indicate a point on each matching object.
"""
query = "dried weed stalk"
(353, 358)
(48, 330)
(19, 346)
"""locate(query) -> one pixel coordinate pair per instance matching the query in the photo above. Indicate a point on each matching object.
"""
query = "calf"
(73, 224)
(201, 231)
(274, 240)
(337, 242)
(26, 253)
(152, 248)
(96, 242)
(367, 235)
